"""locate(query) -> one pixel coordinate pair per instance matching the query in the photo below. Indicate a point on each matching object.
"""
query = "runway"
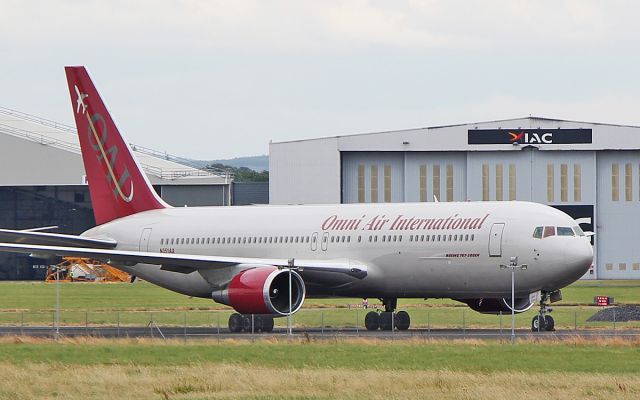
(223, 334)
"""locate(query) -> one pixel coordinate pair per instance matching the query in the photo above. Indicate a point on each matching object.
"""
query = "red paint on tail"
(117, 185)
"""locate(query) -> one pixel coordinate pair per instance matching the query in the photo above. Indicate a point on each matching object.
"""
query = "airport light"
(513, 265)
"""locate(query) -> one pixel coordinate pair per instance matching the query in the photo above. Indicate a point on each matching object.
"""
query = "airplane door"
(495, 240)
(144, 239)
(325, 241)
(314, 241)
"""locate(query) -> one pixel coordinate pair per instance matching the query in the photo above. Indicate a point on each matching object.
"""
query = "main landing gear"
(543, 321)
(388, 319)
(250, 323)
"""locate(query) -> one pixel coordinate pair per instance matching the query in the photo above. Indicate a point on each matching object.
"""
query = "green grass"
(479, 358)
(32, 303)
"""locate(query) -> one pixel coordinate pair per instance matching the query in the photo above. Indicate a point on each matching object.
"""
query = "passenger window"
(549, 231)
(565, 231)
(400, 238)
(411, 238)
(473, 237)
(359, 238)
(537, 233)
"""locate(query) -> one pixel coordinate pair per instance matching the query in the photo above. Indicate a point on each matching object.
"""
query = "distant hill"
(256, 163)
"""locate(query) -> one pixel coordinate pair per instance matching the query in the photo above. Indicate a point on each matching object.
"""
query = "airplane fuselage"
(410, 249)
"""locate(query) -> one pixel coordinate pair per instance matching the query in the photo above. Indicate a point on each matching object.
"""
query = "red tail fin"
(117, 185)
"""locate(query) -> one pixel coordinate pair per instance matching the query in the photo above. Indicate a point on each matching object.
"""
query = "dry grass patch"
(228, 381)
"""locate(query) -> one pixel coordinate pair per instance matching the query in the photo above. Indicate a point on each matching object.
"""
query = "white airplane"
(265, 259)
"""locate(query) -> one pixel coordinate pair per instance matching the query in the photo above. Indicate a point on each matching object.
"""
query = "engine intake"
(495, 306)
(263, 290)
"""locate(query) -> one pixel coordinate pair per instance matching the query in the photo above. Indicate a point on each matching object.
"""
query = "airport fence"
(452, 321)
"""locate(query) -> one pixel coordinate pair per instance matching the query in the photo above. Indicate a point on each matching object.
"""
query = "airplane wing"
(31, 236)
(184, 262)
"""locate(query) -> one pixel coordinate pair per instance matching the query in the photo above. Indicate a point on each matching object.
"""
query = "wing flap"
(175, 262)
(33, 237)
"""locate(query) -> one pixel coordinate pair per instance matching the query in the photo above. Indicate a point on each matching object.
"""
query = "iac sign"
(531, 138)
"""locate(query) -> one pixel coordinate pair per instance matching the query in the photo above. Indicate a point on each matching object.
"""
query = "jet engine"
(263, 290)
(495, 306)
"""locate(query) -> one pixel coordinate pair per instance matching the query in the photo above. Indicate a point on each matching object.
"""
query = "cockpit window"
(549, 231)
(565, 231)
(578, 230)
(537, 233)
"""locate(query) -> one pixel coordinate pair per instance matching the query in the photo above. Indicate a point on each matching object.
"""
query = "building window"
(609, 266)
(361, 198)
(622, 266)
(423, 183)
(449, 182)
(485, 182)
(512, 181)
(628, 184)
(615, 182)
(374, 183)
(499, 183)
(577, 182)
(436, 182)
(550, 183)
(564, 183)
(387, 183)
(636, 266)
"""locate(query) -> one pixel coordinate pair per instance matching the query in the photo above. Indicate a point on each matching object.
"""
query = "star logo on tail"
(80, 100)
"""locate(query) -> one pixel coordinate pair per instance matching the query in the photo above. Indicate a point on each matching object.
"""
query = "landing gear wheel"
(372, 321)
(386, 321)
(402, 320)
(267, 324)
(549, 323)
(246, 323)
(235, 323)
(539, 323)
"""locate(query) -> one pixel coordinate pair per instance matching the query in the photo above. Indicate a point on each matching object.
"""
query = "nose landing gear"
(544, 322)
(388, 319)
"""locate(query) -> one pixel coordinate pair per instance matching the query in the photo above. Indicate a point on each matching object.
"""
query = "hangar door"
(495, 240)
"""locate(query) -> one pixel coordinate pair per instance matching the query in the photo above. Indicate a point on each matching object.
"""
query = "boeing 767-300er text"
(265, 259)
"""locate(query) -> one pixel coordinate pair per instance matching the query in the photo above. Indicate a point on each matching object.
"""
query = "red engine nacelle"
(263, 290)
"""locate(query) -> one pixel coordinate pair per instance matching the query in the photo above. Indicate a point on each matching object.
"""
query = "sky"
(220, 79)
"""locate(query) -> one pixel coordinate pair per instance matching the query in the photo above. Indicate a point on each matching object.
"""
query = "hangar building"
(42, 183)
(589, 170)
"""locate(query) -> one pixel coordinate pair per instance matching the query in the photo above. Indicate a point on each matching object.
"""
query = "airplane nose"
(579, 257)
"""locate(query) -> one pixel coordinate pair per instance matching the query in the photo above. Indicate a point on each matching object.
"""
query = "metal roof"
(156, 164)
